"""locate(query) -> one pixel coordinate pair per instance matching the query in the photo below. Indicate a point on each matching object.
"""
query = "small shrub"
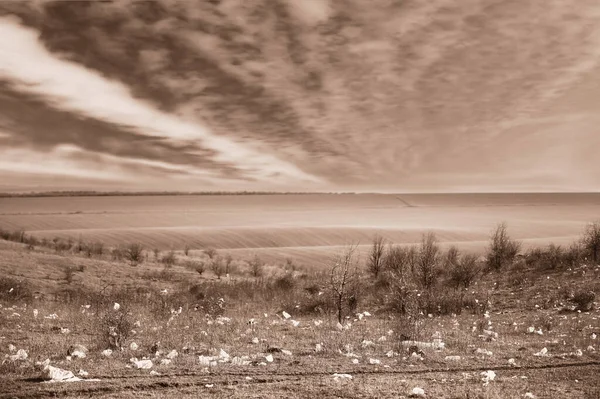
(584, 300)
(186, 250)
(591, 241)
(217, 265)
(156, 252)
(463, 271)
(169, 259)
(285, 282)
(256, 266)
(69, 274)
(134, 253)
(210, 252)
(114, 329)
(502, 251)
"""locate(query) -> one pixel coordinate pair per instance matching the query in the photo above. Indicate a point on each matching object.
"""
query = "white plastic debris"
(484, 352)
(133, 346)
(417, 392)
(529, 395)
(531, 330)
(295, 323)
(20, 355)
(318, 348)
(107, 352)
(366, 343)
(436, 345)
(255, 341)
(354, 361)
(154, 372)
(286, 315)
(374, 361)
(512, 362)
(172, 355)
(488, 376)
(11, 348)
(543, 352)
(338, 376)
(145, 364)
(224, 356)
(269, 358)
(318, 323)
(53, 316)
(35, 313)
(286, 352)
(165, 362)
(453, 358)
(83, 373)
(116, 306)
(64, 330)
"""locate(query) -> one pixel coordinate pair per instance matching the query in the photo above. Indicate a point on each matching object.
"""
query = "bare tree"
(344, 280)
(502, 251)
(376, 256)
(591, 240)
(427, 264)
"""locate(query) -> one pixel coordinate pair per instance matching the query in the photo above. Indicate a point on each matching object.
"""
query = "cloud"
(70, 87)
(69, 160)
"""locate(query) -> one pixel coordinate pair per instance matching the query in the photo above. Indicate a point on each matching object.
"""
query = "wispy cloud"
(29, 67)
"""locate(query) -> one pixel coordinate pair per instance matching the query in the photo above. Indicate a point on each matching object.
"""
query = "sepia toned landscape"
(239, 295)
(300, 199)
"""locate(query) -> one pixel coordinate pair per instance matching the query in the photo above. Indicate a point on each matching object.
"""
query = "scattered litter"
(452, 358)
(11, 348)
(338, 376)
(107, 352)
(172, 355)
(78, 351)
(35, 313)
(484, 352)
(488, 376)
(209, 385)
(255, 341)
(286, 315)
(20, 355)
(374, 361)
(133, 346)
(64, 330)
(417, 392)
(286, 352)
(318, 323)
(154, 372)
(295, 323)
(367, 344)
(165, 362)
(53, 316)
(529, 395)
(142, 364)
(269, 358)
(83, 373)
(116, 306)
(354, 361)
(437, 345)
(318, 348)
(512, 362)
(543, 352)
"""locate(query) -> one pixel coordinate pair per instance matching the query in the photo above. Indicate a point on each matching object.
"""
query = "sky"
(317, 95)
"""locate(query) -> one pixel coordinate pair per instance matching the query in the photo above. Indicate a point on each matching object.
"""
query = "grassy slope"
(523, 298)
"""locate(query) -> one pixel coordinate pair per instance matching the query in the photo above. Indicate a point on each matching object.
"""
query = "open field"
(307, 227)
(517, 331)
